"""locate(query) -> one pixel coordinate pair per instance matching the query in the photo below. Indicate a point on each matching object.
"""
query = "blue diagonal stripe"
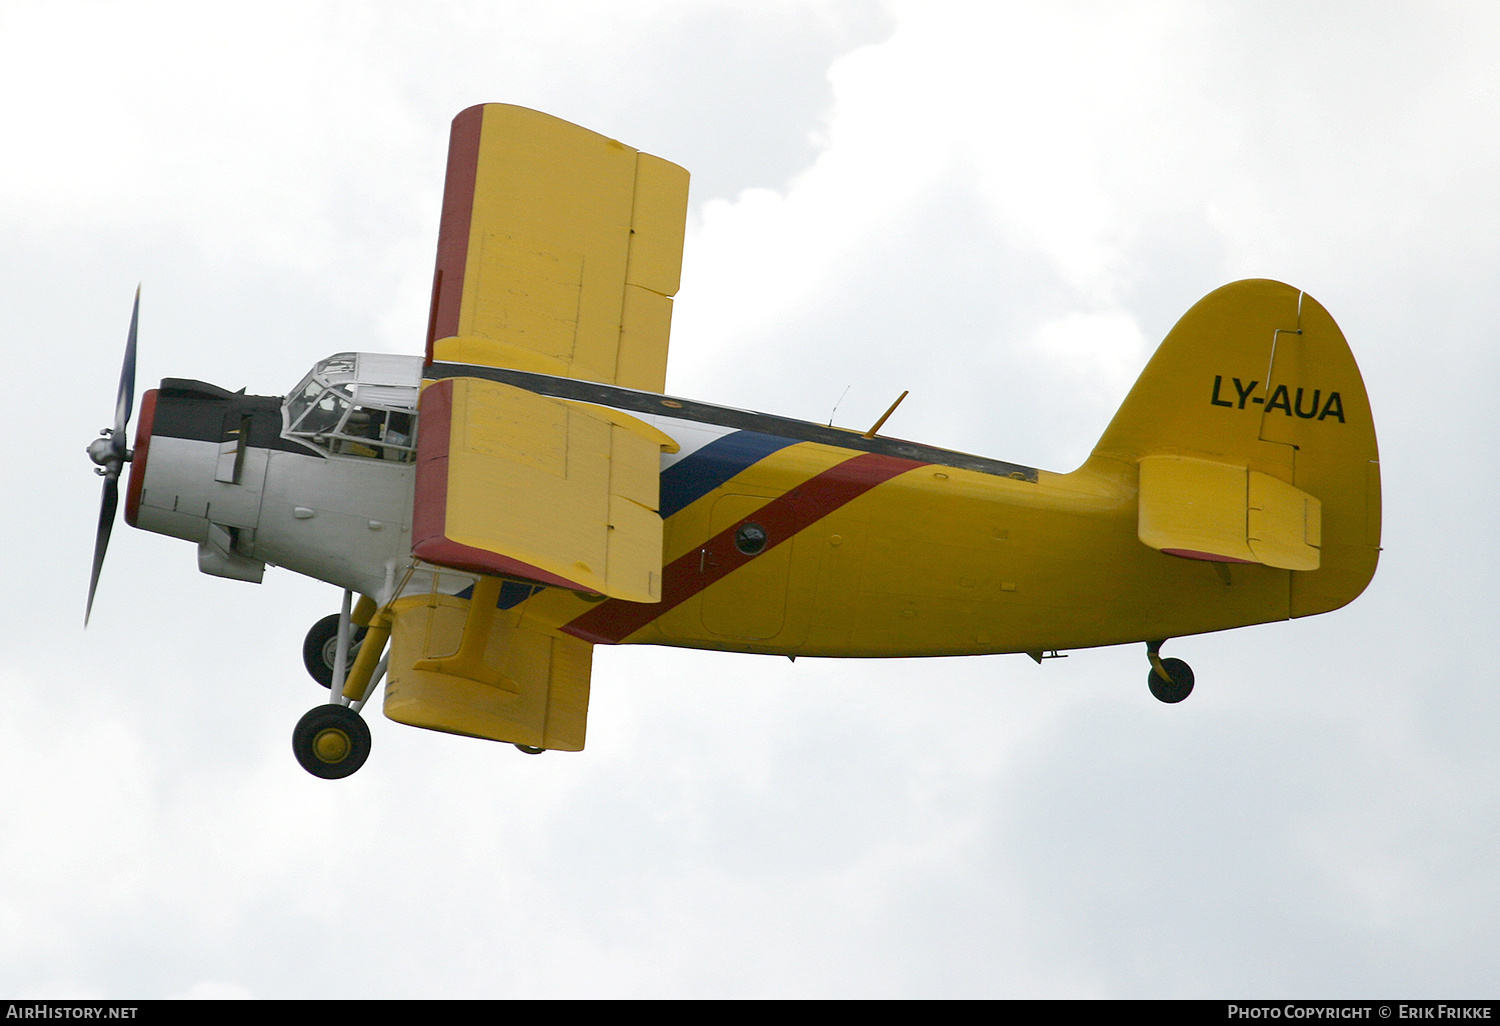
(696, 475)
(683, 483)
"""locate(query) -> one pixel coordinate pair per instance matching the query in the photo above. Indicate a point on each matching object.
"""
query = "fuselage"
(780, 536)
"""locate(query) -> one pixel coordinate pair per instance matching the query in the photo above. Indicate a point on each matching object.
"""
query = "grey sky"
(1002, 207)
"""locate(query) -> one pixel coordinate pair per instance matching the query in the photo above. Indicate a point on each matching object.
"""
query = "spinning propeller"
(111, 455)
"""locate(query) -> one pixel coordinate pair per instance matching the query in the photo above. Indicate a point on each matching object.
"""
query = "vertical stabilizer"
(1255, 443)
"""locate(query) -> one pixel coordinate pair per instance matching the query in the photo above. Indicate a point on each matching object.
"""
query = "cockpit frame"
(362, 405)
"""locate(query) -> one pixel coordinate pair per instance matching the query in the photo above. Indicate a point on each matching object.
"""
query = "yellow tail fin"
(1255, 443)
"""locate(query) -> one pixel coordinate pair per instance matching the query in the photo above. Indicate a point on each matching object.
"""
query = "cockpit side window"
(322, 410)
(298, 402)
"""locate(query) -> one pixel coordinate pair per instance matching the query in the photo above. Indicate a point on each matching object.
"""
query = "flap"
(559, 250)
(523, 485)
(460, 666)
(1223, 513)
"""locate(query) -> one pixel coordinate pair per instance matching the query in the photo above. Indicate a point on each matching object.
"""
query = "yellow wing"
(460, 665)
(518, 484)
(559, 251)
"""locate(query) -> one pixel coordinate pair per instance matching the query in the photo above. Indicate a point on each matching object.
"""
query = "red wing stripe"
(453, 229)
(435, 415)
(613, 620)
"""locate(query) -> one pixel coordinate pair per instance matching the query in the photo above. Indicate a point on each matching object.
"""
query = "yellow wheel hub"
(331, 745)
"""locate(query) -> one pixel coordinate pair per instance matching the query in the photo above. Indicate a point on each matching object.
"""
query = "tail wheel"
(331, 741)
(321, 648)
(1177, 685)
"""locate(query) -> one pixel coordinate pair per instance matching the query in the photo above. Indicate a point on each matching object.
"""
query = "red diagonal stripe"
(613, 620)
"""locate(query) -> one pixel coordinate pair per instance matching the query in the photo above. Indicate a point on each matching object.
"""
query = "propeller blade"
(101, 539)
(110, 452)
(125, 398)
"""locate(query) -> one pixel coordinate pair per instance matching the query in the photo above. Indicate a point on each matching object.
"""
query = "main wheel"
(331, 741)
(321, 648)
(1176, 689)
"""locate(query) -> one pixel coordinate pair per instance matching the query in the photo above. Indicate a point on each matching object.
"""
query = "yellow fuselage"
(872, 554)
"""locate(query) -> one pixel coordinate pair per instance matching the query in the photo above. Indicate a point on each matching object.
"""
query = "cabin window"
(750, 538)
(340, 411)
(374, 433)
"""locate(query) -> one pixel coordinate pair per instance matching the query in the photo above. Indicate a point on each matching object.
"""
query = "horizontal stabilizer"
(1227, 514)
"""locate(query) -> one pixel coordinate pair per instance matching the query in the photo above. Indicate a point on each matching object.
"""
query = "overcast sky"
(1000, 206)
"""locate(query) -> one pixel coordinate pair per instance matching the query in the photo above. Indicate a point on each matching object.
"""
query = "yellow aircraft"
(525, 491)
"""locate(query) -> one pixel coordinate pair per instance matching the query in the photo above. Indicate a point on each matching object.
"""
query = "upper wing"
(559, 250)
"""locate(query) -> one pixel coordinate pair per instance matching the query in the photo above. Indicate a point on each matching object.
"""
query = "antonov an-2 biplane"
(525, 491)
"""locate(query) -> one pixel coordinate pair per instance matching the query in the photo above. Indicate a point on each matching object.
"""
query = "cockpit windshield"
(358, 404)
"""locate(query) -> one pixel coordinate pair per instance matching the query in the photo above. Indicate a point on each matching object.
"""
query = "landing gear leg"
(1170, 680)
(332, 740)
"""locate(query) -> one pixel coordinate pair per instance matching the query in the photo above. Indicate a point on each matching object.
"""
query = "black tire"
(321, 646)
(331, 741)
(1174, 690)
(531, 749)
